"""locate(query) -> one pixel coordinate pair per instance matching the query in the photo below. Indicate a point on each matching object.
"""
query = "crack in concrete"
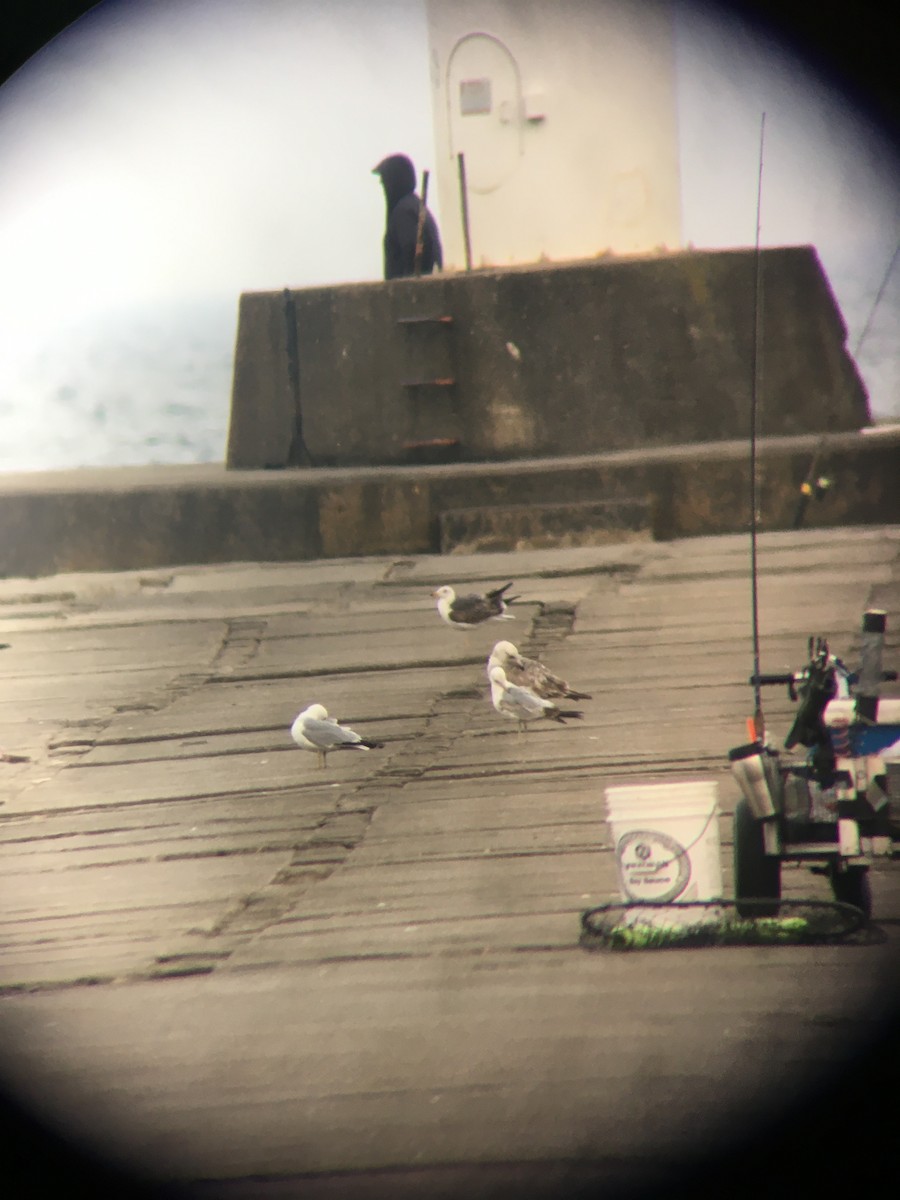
(239, 645)
(420, 664)
(615, 569)
(400, 566)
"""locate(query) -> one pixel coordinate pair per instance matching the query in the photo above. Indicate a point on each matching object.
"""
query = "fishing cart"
(831, 811)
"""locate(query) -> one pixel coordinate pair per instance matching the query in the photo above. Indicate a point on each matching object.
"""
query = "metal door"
(484, 98)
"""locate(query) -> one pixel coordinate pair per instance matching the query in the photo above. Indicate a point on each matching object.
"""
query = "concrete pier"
(128, 518)
(247, 977)
(542, 360)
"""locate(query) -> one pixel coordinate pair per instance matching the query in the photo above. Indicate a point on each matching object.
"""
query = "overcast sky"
(172, 148)
(828, 177)
(205, 146)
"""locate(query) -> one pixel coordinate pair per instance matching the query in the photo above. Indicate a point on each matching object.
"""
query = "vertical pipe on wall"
(464, 207)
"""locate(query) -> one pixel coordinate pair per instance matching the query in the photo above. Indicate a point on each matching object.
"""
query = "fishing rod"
(759, 725)
(878, 297)
(420, 227)
(815, 485)
(832, 814)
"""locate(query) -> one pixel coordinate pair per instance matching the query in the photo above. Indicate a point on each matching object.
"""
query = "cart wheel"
(757, 875)
(852, 886)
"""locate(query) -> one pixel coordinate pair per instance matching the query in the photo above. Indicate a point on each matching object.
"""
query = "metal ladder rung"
(432, 320)
(431, 443)
(439, 383)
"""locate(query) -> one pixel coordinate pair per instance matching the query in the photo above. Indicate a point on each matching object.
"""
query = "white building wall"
(570, 138)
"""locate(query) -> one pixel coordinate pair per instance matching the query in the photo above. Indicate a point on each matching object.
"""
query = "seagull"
(313, 729)
(528, 672)
(521, 704)
(465, 612)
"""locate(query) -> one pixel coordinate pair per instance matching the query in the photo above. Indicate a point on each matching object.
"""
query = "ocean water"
(149, 384)
(152, 384)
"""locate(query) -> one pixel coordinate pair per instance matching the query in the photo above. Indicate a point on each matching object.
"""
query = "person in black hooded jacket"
(398, 178)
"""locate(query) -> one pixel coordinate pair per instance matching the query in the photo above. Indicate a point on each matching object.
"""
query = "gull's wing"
(327, 734)
(526, 700)
(470, 610)
(540, 679)
(544, 682)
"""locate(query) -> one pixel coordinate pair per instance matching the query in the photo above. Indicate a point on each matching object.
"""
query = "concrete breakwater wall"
(133, 518)
(541, 361)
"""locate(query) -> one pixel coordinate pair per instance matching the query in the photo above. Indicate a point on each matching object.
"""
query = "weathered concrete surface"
(536, 526)
(260, 979)
(546, 360)
(128, 518)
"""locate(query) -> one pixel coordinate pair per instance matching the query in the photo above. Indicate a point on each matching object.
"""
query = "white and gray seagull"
(521, 704)
(313, 729)
(467, 612)
(528, 672)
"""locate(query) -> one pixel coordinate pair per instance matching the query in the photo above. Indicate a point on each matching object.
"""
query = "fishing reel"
(824, 678)
(825, 732)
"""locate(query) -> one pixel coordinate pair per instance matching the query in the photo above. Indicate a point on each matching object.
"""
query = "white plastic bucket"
(666, 841)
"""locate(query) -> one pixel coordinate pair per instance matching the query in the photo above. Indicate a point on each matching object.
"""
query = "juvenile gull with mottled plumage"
(528, 672)
(467, 612)
(313, 729)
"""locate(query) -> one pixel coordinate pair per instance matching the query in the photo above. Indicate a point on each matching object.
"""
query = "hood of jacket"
(398, 178)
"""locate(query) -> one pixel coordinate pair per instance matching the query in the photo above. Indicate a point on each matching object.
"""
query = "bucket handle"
(687, 849)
